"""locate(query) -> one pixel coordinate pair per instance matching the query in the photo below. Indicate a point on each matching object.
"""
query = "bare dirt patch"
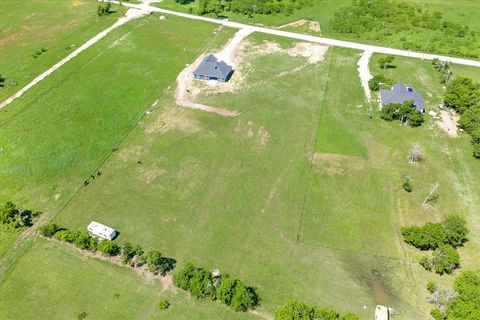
(309, 25)
(333, 164)
(186, 92)
(172, 119)
(449, 123)
(251, 131)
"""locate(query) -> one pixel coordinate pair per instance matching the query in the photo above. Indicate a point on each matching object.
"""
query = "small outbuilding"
(213, 69)
(400, 93)
(101, 231)
(382, 313)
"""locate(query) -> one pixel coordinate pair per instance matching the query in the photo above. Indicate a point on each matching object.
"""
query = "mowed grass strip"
(59, 26)
(56, 281)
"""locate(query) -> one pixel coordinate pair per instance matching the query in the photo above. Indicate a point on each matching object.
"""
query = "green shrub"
(437, 314)
(85, 241)
(49, 229)
(163, 304)
(445, 259)
(431, 287)
(82, 315)
(426, 263)
(108, 247)
(293, 310)
(67, 235)
(406, 184)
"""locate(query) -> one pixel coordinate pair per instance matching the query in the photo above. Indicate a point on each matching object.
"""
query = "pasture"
(58, 26)
(55, 281)
(299, 195)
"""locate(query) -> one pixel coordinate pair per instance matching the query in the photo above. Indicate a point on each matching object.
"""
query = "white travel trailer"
(101, 231)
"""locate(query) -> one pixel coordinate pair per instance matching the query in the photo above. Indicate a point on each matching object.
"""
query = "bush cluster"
(249, 8)
(443, 238)
(133, 256)
(294, 310)
(202, 284)
(405, 112)
(12, 217)
(104, 10)
(384, 20)
(451, 231)
(463, 96)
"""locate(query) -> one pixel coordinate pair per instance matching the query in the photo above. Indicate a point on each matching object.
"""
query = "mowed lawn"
(55, 281)
(59, 26)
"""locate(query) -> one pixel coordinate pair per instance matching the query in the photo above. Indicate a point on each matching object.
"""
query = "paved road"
(331, 42)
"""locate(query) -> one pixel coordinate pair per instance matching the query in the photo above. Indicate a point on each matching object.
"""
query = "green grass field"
(55, 281)
(299, 195)
(59, 26)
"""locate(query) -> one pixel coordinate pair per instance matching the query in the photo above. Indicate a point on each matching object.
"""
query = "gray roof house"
(400, 93)
(212, 69)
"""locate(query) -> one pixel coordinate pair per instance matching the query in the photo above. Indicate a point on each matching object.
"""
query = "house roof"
(211, 67)
(400, 93)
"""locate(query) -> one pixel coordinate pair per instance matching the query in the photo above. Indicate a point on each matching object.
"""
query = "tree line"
(463, 96)
(443, 238)
(248, 7)
(390, 20)
(294, 310)
(202, 284)
(132, 256)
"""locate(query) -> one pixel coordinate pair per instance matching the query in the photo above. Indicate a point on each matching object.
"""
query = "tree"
(466, 304)
(414, 117)
(476, 150)
(389, 111)
(455, 231)
(2, 81)
(462, 93)
(226, 289)
(293, 310)
(49, 229)
(201, 284)
(108, 247)
(157, 263)
(85, 241)
(350, 316)
(127, 251)
(374, 83)
(445, 259)
(182, 278)
(244, 298)
(385, 62)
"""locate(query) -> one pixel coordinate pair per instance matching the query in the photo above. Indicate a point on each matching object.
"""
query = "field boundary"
(307, 180)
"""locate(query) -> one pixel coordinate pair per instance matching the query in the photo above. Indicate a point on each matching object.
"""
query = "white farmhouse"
(101, 231)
